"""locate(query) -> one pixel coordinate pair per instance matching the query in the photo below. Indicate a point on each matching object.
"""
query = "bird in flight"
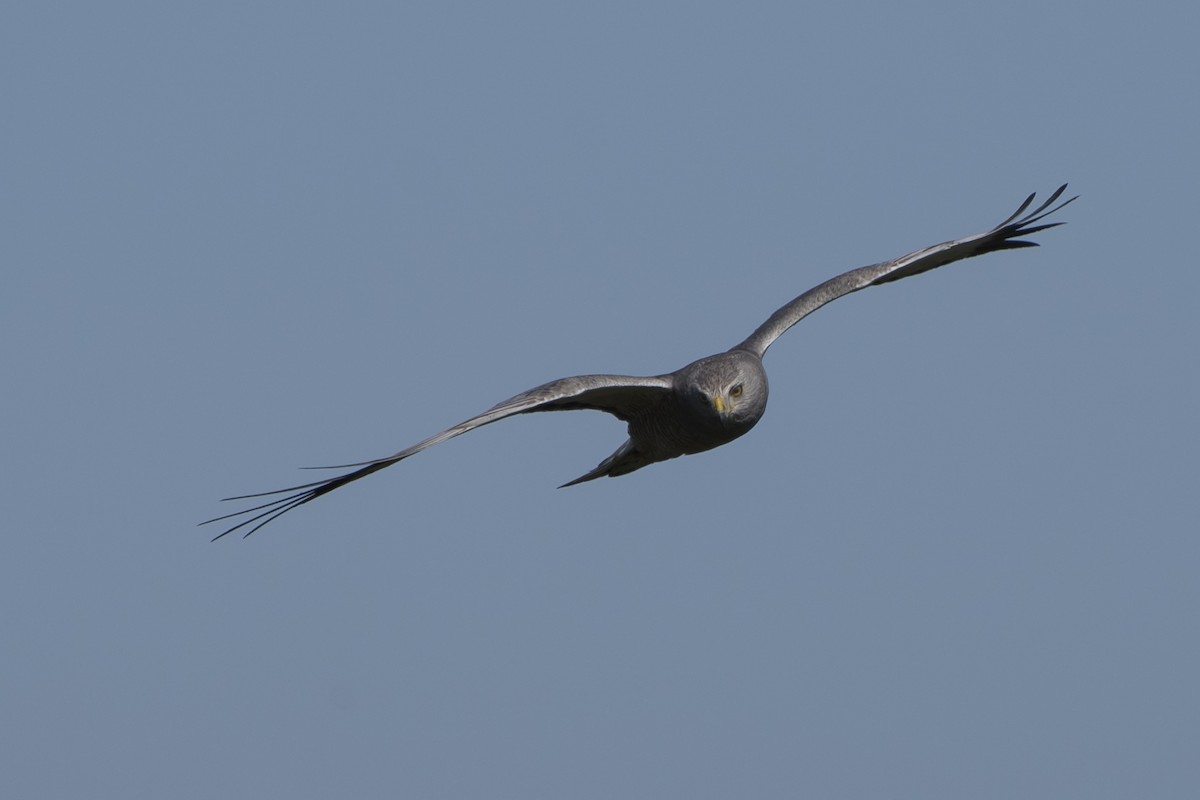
(701, 406)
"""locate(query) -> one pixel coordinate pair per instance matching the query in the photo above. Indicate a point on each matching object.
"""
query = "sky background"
(957, 558)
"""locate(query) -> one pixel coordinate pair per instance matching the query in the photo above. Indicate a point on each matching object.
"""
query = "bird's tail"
(626, 459)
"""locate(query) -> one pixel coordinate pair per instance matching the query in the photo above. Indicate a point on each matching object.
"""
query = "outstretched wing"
(619, 395)
(1002, 237)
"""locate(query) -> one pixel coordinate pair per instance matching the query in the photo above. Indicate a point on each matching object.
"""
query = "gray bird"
(704, 405)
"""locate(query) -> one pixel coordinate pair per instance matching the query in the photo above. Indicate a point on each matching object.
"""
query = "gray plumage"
(703, 405)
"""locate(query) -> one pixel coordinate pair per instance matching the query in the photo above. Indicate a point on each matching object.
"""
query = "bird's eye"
(736, 391)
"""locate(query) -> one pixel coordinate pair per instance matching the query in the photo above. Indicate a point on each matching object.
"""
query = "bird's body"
(703, 405)
(709, 403)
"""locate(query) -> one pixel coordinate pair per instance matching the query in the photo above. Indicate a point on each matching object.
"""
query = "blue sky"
(957, 558)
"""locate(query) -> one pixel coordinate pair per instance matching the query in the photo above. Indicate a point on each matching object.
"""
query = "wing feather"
(1001, 237)
(620, 395)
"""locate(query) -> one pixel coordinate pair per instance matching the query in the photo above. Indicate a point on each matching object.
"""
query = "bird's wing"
(619, 395)
(1002, 237)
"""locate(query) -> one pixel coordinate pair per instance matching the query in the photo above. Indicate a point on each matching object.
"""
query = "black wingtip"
(1020, 219)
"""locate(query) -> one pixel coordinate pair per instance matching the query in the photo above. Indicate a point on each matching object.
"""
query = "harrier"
(701, 406)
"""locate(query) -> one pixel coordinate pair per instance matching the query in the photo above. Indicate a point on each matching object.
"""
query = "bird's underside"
(698, 407)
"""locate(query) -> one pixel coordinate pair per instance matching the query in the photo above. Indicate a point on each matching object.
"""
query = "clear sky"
(957, 558)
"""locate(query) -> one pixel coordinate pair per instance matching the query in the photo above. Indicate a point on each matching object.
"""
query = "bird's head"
(727, 391)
